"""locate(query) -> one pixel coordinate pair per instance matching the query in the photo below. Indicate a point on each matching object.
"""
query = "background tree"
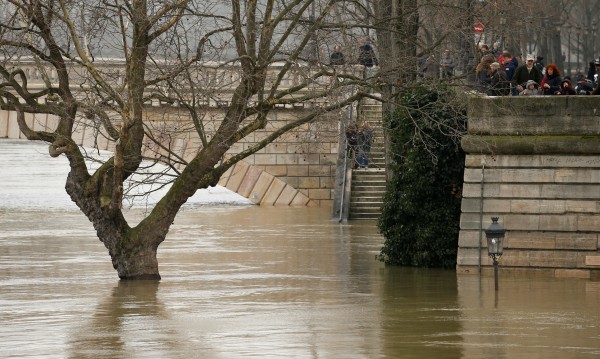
(181, 52)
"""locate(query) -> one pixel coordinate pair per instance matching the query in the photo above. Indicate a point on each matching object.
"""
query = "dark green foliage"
(421, 213)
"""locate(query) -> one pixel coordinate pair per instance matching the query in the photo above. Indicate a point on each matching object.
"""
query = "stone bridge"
(298, 169)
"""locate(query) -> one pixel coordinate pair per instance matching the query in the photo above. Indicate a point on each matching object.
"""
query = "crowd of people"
(505, 75)
(498, 73)
(359, 140)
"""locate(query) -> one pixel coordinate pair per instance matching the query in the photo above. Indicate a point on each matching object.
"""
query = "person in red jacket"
(552, 81)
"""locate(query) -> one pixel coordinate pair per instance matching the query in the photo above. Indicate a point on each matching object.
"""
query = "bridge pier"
(535, 163)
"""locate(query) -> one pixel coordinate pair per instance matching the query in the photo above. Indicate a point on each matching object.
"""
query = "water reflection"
(122, 314)
(421, 313)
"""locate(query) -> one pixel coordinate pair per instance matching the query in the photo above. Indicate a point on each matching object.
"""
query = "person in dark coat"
(482, 74)
(591, 71)
(584, 87)
(366, 54)
(551, 83)
(365, 139)
(499, 84)
(510, 64)
(525, 73)
(352, 139)
(337, 57)
(566, 88)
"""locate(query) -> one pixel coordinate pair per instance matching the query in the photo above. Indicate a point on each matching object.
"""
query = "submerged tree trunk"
(137, 259)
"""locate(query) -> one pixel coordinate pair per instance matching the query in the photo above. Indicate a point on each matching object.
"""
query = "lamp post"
(546, 43)
(495, 236)
(569, 50)
(502, 26)
(594, 28)
(557, 47)
(578, 48)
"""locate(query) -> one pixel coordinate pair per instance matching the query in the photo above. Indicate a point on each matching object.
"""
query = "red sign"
(478, 27)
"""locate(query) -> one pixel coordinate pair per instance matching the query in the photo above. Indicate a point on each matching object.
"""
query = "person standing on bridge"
(337, 56)
(551, 83)
(525, 73)
(366, 57)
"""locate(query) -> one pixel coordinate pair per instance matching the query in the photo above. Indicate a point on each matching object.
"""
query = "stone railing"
(213, 82)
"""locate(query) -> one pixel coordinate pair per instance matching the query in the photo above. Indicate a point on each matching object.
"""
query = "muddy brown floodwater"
(252, 282)
(256, 282)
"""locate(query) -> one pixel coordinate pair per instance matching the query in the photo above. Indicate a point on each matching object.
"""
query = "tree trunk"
(138, 262)
(397, 43)
(132, 250)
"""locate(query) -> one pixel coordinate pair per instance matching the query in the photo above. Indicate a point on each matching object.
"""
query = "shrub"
(420, 217)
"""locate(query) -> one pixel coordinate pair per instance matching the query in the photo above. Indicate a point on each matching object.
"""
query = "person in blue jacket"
(510, 64)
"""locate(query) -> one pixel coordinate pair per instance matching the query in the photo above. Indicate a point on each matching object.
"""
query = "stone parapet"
(535, 163)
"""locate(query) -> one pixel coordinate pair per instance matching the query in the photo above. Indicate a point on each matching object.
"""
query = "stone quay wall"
(535, 163)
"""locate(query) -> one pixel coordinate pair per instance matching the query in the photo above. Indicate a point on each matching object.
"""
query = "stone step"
(369, 172)
(366, 207)
(371, 183)
(372, 196)
(369, 186)
(371, 177)
(366, 216)
(368, 183)
(365, 200)
(365, 213)
(376, 209)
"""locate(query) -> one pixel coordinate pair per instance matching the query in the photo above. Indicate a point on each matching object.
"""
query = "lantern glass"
(495, 235)
(494, 246)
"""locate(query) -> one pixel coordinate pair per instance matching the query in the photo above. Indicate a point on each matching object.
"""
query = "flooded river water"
(256, 282)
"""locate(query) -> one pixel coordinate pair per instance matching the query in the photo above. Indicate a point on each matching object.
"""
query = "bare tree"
(182, 52)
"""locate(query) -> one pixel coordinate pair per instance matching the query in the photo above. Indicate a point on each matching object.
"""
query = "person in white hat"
(525, 73)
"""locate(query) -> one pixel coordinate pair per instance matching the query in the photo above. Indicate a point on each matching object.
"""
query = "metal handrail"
(344, 177)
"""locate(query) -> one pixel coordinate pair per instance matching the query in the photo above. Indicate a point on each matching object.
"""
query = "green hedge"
(421, 213)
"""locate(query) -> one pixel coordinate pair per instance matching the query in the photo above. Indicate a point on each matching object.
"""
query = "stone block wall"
(535, 163)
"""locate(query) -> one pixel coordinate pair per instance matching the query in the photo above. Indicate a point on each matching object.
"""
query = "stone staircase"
(368, 184)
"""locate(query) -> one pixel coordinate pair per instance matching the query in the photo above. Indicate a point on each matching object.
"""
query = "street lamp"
(557, 46)
(578, 48)
(495, 236)
(594, 28)
(569, 49)
(546, 50)
(502, 27)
